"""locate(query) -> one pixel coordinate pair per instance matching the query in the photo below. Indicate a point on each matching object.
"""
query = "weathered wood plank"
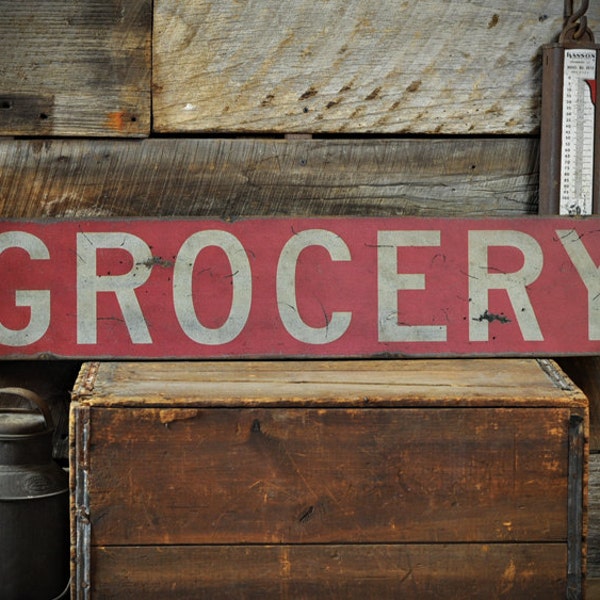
(258, 177)
(592, 589)
(458, 67)
(259, 475)
(340, 383)
(593, 542)
(75, 68)
(415, 571)
(585, 372)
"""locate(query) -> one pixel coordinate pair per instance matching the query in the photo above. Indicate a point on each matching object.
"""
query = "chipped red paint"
(300, 287)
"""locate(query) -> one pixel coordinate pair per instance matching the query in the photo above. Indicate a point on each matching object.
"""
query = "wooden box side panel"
(194, 476)
(419, 572)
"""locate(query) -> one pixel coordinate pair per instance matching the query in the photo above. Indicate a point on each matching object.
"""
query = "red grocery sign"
(300, 287)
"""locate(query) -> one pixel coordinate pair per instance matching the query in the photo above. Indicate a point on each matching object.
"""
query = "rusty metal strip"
(81, 569)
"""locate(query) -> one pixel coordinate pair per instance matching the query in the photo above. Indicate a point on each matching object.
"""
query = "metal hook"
(576, 28)
(585, 4)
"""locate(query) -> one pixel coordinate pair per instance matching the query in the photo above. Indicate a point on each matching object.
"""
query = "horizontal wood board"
(75, 68)
(457, 382)
(433, 67)
(593, 560)
(267, 177)
(300, 475)
(418, 572)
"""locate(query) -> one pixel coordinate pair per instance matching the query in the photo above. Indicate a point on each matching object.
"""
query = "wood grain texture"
(593, 542)
(75, 68)
(458, 67)
(585, 372)
(258, 177)
(592, 589)
(229, 476)
(339, 383)
(419, 572)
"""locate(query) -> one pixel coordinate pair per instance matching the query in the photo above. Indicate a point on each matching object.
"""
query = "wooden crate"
(339, 479)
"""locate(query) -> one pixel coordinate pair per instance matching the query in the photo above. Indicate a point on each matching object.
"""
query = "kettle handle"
(33, 399)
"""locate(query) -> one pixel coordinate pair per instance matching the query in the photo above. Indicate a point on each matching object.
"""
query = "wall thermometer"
(570, 134)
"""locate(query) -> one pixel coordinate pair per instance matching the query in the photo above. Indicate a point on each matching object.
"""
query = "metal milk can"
(34, 511)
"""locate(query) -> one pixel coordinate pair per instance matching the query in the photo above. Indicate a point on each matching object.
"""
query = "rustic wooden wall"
(458, 67)
(263, 176)
(75, 68)
(415, 108)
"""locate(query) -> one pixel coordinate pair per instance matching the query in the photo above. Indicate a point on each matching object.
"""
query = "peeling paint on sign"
(136, 288)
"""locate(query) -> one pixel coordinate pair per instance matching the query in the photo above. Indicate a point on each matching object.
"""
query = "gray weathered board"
(259, 177)
(593, 559)
(434, 66)
(431, 66)
(75, 68)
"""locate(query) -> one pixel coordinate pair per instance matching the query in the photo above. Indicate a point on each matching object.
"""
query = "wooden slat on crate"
(75, 68)
(236, 384)
(265, 476)
(456, 67)
(421, 572)
(259, 177)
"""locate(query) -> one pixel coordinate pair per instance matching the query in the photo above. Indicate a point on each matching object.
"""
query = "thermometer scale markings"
(578, 122)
